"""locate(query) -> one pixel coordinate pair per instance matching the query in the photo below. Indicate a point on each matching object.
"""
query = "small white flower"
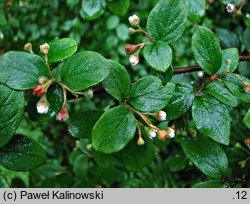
(42, 107)
(171, 132)
(134, 20)
(200, 74)
(134, 59)
(230, 8)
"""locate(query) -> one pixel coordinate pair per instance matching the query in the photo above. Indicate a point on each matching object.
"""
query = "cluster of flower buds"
(168, 132)
(63, 115)
(235, 9)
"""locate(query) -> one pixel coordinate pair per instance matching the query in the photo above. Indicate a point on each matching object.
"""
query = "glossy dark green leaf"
(114, 130)
(92, 9)
(195, 9)
(246, 119)
(158, 55)
(176, 163)
(182, 99)
(167, 20)
(135, 157)
(218, 90)
(207, 51)
(103, 160)
(148, 94)
(207, 155)
(55, 98)
(230, 61)
(61, 49)
(84, 69)
(11, 112)
(209, 184)
(118, 82)
(80, 166)
(118, 7)
(235, 83)
(22, 154)
(212, 118)
(246, 38)
(228, 39)
(81, 123)
(21, 70)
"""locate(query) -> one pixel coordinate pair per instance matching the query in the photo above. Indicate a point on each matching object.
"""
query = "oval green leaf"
(118, 7)
(92, 9)
(195, 9)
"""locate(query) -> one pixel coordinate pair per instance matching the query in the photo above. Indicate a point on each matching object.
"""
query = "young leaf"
(118, 82)
(182, 99)
(22, 154)
(212, 118)
(218, 90)
(114, 130)
(84, 69)
(61, 49)
(230, 61)
(11, 110)
(167, 20)
(158, 55)
(55, 99)
(21, 70)
(134, 157)
(195, 9)
(235, 83)
(207, 155)
(118, 7)
(148, 94)
(246, 119)
(228, 39)
(82, 123)
(92, 9)
(207, 51)
(209, 184)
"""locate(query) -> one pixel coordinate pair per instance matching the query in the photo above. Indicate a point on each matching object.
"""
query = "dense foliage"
(97, 98)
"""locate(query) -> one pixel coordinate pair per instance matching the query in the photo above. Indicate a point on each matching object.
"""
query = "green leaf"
(118, 82)
(55, 98)
(122, 32)
(84, 69)
(182, 99)
(195, 9)
(207, 51)
(235, 83)
(209, 184)
(3, 20)
(167, 20)
(246, 119)
(206, 155)
(92, 9)
(212, 118)
(158, 55)
(230, 1)
(81, 124)
(61, 49)
(135, 157)
(176, 163)
(103, 160)
(80, 166)
(12, 105)
(148, 94)
(21, 70)
(230, 61)
(245, 38)
(22, 154)
(228, 39)
(114, 130)
(218, 90)
(118, 7)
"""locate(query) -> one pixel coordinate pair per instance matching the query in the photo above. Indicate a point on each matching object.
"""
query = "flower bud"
(246, 87)
(140, 141)
(38, 90)
(170, 132)
(42, 80)
(89, 93)
(131, 30)
(63, 115)
(44, 48)
(162, 135)
(134, 20)
(230, 8)
(131, 48)
(134, 59)
(200, 74)
(161, 115)
(28, 47)
(42, 105)
(150, 132)
(89, 147)
(247, 142)
(1, 35)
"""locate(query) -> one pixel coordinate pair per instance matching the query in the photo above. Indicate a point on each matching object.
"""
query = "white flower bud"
(151, 132)
(44, 48)
(171, 132)
(134, 59)
(230, 8)
(161, 115)
(42, 106)
(134, 20)
(1, 35)
(200, 74)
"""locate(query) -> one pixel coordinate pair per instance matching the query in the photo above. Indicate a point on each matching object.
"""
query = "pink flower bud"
(131, 48)
(42, 80)
(38, 90)
(162, 135)
(134, 59)
(63, 115)
(44, 48)
(28, 47)
(42, 106)
(134, 20)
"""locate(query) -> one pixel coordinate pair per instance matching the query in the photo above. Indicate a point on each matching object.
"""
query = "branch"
(197, 68)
